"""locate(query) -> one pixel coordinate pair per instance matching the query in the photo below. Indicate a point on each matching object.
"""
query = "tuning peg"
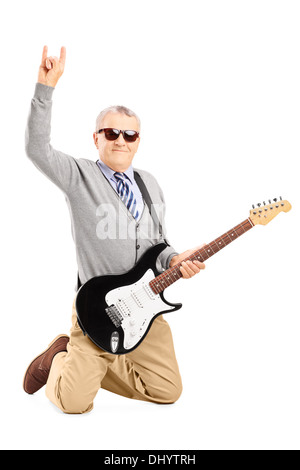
(259, 204)
(253, 206)
(275, 199)
(280, 198)
(269, 201)
(264, 203)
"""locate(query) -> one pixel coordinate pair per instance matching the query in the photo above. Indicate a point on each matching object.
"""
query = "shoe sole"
(46, 350)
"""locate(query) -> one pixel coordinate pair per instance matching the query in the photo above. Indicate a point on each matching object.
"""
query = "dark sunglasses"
(113, 134)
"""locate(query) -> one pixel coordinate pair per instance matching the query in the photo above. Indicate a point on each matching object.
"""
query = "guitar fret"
(218, 249)
(172, 275)
(220, 242)
(208, 252)
(233, 235)
(228, 237)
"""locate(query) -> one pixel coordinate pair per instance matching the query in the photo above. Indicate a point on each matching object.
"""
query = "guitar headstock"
(264, 213)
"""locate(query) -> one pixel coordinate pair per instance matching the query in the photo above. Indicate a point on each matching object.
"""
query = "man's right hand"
(51, 68)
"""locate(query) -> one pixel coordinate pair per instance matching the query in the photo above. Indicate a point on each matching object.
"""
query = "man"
(74, 368)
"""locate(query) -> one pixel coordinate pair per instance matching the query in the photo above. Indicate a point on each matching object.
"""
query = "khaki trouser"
(150, 372)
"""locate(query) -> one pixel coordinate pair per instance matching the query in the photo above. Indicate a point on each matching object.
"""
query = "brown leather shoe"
(37, 373)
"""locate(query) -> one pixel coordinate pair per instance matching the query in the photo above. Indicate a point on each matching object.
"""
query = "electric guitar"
(117, 311)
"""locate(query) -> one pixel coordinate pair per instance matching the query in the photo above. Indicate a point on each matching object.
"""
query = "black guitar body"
(117, 311)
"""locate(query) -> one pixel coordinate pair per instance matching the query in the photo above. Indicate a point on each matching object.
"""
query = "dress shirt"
(110, 176)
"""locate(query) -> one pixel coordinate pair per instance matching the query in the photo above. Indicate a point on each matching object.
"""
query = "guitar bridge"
(114, 315)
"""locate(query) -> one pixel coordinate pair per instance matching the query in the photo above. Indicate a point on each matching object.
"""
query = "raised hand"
(51, 68)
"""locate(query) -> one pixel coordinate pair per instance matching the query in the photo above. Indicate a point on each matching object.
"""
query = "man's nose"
(120, 140)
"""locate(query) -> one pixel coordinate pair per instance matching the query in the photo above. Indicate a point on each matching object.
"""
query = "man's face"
(117, 154)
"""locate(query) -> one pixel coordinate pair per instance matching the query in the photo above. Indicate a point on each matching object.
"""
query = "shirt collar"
(109, 173)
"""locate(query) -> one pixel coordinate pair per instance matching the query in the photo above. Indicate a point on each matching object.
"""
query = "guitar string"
(142, 294)
(205, 249)
(165, 275)
(175, 271)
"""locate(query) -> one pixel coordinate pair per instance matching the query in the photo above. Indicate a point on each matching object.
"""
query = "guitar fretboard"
(171, 275)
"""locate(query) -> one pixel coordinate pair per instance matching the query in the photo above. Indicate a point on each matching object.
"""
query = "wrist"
(173, 261)
(43, 92)
(47, 83)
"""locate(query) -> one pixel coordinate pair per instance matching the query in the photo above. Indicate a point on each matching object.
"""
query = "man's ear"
(95, 135)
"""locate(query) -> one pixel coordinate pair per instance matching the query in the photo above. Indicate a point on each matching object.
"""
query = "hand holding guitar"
(51, 68)
(188, 268)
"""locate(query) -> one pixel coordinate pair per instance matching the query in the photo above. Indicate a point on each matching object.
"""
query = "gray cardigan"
(107, 238)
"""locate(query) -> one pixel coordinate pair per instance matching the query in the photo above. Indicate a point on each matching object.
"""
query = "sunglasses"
(113, 134)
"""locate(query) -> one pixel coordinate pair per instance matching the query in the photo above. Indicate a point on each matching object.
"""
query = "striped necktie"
(126, 194)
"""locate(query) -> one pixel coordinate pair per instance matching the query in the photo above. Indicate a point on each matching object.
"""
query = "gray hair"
(116, 109)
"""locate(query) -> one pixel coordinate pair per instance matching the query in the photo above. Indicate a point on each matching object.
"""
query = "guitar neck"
(171, 275)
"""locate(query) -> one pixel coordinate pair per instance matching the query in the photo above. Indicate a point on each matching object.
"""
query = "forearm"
(38, 132)
(59, 167)
(173, 260)
(166, 257)
(37, 137)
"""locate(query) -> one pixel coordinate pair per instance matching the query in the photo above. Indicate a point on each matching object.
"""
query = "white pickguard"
(137, 304)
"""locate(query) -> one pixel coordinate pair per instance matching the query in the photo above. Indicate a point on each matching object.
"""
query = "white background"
(216, 85)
